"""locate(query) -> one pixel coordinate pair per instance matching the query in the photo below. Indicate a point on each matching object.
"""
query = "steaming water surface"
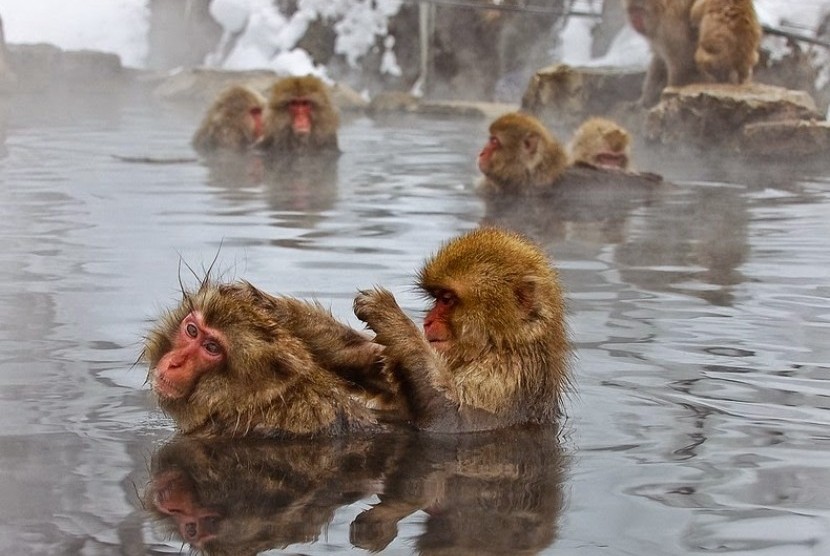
(700, 317)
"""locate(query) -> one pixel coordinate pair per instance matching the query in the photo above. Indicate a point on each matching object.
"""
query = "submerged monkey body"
(520, 156)
(522, 159)
(232, 123)
(300, 118)
(231, 360)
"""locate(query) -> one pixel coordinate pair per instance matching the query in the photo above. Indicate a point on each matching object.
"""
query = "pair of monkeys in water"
(695, 41)
(521, 157)
(231, 360)
(297, 117)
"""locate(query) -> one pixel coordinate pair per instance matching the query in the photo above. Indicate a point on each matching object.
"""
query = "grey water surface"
(699, 422)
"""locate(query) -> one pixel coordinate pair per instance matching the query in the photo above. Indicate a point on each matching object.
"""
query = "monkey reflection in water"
(498, 492)
(234, 361)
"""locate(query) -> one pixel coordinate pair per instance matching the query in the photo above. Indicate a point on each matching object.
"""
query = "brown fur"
(601, 142)
(485, 494)
(667, 26)
(695, 41)
(290, 367)
(530, 158)
(246, 496)
(226, 124)
(729, 37)
(507, 360)
(279, 136)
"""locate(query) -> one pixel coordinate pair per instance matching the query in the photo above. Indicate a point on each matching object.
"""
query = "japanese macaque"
(232, 123)
(493, 352)
(231, 360)
(521, 156)
(695, 41)
(667, 26)
(300, 117)
(728, 39)
(601, 143)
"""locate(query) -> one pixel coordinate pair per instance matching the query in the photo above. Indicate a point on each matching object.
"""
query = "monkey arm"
(655, 81)
(425, 376)
(335, 345)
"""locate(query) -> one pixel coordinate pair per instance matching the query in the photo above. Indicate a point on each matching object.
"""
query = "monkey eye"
(445, 298)
(494, 141)
(301, 103)
(192, 330)
(256, 111)
(213, 348)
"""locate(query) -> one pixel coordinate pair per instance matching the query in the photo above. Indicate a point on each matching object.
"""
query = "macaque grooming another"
(728, 39)
(233, 122)
(601, 143)
(520, 156)
(494, 350)
(300, 117)
(231, 360)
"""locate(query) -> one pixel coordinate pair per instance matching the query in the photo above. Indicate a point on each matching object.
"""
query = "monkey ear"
(530, 143)
(526, 294)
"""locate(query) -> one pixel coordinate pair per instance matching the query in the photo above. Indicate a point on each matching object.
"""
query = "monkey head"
(644, 15)
(490, 289)
(520, 153)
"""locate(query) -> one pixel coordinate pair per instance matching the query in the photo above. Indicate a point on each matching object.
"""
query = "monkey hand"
(376, 307)
(379, 310)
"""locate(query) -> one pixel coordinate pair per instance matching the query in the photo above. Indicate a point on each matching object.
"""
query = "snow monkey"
(729, 35)
(520, 156)
(300, 117)
(231, 360)
(493, 352)
(695, 41)
(602, 143)
(233, 122)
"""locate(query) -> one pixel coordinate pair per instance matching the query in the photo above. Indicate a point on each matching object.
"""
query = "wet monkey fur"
(601, 143)
(493, 352)
(233, 122)
(300, 118)
(520, 156)
(231, 360)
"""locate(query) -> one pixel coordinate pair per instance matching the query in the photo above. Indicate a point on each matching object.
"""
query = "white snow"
(265, 38)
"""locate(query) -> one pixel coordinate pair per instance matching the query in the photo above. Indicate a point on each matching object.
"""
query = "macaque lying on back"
(601, 143)
(232, 360)
(493, 351)
(300, 117)
(233, 122)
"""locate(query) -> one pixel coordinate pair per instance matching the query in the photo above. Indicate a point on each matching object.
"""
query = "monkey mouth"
(610, 160)
(439, 344)
(167, 391)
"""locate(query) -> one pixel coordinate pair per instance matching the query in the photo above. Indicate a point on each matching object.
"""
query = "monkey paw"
(373, 306)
